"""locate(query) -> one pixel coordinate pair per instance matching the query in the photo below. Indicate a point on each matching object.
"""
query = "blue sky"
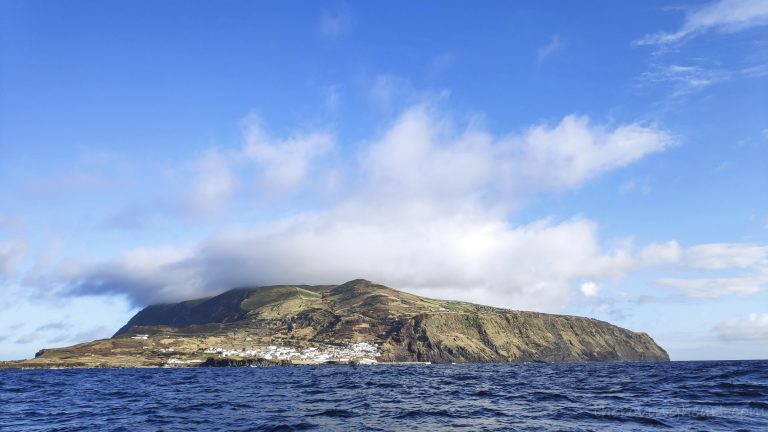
(607, 160)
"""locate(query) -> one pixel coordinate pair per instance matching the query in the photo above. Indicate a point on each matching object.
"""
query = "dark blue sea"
(726, 396)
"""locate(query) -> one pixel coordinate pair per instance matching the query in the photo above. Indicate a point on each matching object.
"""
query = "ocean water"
(726, 396)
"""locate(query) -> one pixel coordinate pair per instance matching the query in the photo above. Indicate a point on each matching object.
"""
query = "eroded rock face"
(405, 326)
(511, 336)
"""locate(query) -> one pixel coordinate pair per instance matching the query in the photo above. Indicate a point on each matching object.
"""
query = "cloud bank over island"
(426, 205)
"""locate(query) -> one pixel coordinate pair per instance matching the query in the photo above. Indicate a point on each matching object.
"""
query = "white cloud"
(707, 256)
(724, 16)
(661, 253)
(575, 151)
(590, 289)
(478, 259)
(753, 327)
(422, 215)
(422, 157)
(157, 274)
(751, 259)
(418, 157)
(284, 163)
(554, 45)
(280, 166)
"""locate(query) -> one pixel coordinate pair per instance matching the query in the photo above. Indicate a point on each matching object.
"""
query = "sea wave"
(576, 396)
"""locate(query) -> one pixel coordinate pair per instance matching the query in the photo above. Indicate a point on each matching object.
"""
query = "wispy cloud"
(283, 162)
(756, 71)
(332, 96)
(52, 326)
(441, 63)
(751, 259)
(575, 151)
(642, 185)
(656, 254)
(750, 328)
(273, 166)
(554, 45)
(684, 80)
(718, 256)
(716, 287)
(386, 89)
(334, 23)
(725, 16)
